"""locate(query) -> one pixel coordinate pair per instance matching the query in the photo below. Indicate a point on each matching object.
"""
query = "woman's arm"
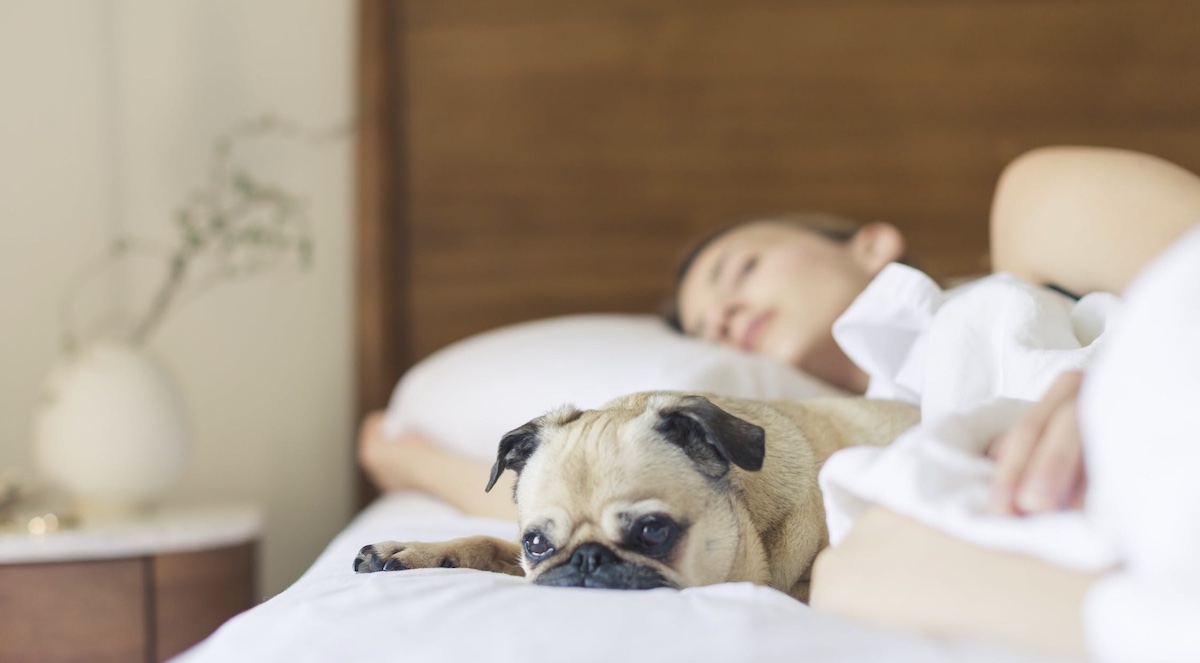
(413, 462)
(893, 571)
(1087, 218)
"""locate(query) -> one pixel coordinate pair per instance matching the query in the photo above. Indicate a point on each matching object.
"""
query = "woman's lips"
(754, 331)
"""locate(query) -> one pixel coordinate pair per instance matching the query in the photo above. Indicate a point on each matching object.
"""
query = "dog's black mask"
(593, 565)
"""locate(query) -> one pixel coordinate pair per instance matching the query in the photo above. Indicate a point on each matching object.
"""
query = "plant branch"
(162, 299)
(236, 214)
(121, 247)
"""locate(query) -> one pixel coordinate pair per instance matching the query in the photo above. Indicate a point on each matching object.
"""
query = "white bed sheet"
(333, 614)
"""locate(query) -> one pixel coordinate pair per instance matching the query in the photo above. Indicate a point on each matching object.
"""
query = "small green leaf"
(243, 184)
(305, 248)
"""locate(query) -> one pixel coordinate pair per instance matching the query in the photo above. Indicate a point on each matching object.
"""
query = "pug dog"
(665, 489)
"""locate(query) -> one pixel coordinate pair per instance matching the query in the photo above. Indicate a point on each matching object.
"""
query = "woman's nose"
(719, 327)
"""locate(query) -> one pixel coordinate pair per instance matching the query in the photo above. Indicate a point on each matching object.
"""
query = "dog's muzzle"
(594, 565)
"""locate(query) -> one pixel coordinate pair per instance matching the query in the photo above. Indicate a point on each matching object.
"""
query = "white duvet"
(333, 614)
(974, 358)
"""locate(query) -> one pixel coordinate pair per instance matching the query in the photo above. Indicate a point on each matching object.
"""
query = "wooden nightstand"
(141, 589)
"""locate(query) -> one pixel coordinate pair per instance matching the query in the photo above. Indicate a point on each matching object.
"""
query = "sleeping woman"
(1111, 440)
(1083, 219)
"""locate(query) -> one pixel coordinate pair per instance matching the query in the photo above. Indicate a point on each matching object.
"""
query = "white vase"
(111, 429)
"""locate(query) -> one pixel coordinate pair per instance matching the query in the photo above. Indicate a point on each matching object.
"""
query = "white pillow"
(469, 394)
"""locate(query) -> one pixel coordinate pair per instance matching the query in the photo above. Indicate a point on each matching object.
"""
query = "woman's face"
(775, 289)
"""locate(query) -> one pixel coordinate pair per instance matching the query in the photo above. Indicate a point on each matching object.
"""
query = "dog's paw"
(396, 556)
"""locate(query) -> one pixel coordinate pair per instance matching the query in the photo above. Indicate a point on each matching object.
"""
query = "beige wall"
(108, 114)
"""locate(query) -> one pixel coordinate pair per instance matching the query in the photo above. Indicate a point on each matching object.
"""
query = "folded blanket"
(952, 350)
(973, 358)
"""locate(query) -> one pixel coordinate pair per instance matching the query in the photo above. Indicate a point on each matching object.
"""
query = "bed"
(528, 160)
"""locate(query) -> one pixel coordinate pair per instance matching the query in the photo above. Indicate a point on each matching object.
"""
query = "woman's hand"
(413, 461)
(1039, 462)
(389, 461)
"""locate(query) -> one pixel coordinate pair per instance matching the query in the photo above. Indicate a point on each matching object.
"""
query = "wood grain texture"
(382, 246)
(85, 612)
(196, 592)
(560, 155)
(557, 157)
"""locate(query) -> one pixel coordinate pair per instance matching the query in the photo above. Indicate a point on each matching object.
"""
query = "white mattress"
(333, 614)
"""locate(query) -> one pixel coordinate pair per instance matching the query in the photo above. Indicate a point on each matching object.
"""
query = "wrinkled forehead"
(600, 465)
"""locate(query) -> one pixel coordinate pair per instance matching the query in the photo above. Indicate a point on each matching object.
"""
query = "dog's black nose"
(591, 556)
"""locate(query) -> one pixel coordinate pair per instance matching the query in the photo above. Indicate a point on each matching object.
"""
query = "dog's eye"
(537, 546)
(655, 534)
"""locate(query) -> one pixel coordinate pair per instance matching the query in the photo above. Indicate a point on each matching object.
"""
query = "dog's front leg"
(484, 553)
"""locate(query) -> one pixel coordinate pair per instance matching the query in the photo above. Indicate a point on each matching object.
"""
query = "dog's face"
(631, 497)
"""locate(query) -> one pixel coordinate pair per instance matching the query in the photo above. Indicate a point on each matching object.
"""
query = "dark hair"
(829, 226)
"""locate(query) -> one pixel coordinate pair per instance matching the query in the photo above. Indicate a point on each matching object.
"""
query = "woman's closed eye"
(748, 265)
(714, 325)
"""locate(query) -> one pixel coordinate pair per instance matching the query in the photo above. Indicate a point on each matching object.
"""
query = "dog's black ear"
(518, 444)
(515, 448)
(712, 437)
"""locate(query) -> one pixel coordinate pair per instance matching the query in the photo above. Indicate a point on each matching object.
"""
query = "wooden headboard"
(526, 158)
